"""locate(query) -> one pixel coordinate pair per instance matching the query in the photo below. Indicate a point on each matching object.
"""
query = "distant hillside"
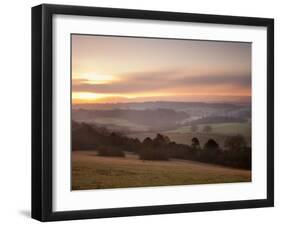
(215, 120)
(160, 114)
(157, 118)
(177, 106)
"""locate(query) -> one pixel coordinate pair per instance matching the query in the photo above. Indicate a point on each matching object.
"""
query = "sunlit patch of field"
(231, 128)
(90, 171)
(219, 133)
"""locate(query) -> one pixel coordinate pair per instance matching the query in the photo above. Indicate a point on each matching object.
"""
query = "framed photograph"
(145, 112)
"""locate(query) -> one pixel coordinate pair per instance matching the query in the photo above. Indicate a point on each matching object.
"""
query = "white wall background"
(15, 114)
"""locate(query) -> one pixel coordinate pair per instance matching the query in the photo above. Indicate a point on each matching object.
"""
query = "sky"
(111, 69)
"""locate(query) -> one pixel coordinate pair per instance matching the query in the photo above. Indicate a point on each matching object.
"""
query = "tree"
(211, 152)
(156, 149)
(147, 142)
(235, 143)
(211, 145)
(207, 129)
(195, 143)
(194, 128)
(160, 140)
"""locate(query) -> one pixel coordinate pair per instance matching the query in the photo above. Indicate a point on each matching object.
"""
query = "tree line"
(235, 152)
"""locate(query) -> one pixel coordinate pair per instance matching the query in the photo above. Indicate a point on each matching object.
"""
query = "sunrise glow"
(117, 69)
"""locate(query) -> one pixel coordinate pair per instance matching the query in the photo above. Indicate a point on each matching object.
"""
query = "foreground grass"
(91, 172)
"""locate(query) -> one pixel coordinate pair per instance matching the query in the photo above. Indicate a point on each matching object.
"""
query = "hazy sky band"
(108, 68)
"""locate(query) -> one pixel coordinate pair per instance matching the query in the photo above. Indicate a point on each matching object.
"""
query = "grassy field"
(220, 132)
(90, 171)
(231, 128)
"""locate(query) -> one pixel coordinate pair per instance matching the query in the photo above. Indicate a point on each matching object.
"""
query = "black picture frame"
(42, 106)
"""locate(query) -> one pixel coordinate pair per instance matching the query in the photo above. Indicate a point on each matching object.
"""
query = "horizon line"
(165, 101)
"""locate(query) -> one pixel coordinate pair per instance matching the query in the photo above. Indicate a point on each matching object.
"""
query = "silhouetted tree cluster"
(235, 152)
(156, 149)
(91, 137)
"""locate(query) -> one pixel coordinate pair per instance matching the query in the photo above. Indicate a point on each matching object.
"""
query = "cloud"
(167, 80)
(234, 80)
(80, 81)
